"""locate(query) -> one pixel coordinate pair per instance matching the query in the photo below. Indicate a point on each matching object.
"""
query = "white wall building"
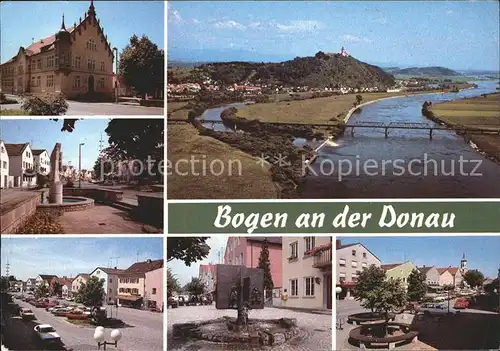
(6, 181)
(42, 161)
(21, 163)
(80, 279)
(110, 286)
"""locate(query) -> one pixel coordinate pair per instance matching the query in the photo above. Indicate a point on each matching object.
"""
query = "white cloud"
(230, 25)
(255, 25)
(450, 12)
(300, 26)
(174, 16)
(355, 39)
(380, 20)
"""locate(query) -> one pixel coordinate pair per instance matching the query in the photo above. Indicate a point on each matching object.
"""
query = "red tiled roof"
(270, 240)
(37, 47)
(109, 270)
(48, 276)
(38, 151)
(424, 269)
(442, 270)
(83, 275)
(16, 149)
(453, 270)
(144, 267)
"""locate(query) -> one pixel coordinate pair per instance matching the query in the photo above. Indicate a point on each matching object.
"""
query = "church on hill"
(76, 61)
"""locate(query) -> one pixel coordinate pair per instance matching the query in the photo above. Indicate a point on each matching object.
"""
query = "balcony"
(323, 258)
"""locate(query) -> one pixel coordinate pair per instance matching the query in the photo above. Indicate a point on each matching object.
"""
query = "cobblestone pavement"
(316, 336)
(143, 330)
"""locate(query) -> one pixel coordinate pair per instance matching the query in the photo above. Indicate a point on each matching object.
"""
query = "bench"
(366, 341)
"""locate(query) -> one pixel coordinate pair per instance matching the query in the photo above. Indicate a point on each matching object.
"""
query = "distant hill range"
(422, 71)
(321, 70)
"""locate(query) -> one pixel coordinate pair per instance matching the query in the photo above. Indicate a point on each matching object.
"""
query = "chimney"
(338, 244)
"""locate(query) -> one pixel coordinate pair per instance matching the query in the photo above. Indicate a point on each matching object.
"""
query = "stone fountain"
(56, 186)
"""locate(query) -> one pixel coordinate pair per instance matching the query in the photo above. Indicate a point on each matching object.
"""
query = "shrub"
(50, 104)
(42, 222)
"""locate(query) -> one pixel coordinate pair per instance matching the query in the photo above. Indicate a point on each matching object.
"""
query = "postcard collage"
(174, 175)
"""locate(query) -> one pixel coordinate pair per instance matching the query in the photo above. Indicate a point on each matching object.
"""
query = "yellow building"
(77, 61)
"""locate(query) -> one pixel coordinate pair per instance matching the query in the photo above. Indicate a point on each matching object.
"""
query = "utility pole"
(101, 145)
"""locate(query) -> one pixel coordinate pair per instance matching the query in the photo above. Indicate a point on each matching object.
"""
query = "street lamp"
(338, 290)
(80, 164)
(116, 336)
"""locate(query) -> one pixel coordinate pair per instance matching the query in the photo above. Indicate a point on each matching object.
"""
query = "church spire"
(63, 27)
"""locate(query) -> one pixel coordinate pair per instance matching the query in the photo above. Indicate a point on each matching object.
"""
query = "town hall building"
(76, 61)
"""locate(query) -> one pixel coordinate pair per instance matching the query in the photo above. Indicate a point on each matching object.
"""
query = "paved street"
(101, 109)
(143, 330)
(317, 327)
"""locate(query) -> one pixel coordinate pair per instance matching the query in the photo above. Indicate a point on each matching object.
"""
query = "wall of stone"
(12, 220)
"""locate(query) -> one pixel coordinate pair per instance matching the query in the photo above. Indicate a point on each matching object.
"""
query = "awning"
(129, 297)
(348, 284)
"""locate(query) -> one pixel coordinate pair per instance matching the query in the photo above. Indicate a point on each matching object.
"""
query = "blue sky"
(29, 257)
(482, 252)
(44, 134)
(22, 21)
(216, 242)
(458, 35)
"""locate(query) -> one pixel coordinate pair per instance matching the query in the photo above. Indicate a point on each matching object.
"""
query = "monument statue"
(56, 186)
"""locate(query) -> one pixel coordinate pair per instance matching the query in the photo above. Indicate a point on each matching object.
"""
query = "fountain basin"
(69, 204)
(400, 335)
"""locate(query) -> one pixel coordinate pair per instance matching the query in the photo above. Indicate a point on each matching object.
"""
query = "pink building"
(246, 251)
(154, 287)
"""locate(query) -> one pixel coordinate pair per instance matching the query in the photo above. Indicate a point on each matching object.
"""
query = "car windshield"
(47, 330)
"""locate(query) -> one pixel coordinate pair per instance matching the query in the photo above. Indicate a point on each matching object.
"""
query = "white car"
(47, 334)
(437, 309)
(26, 313)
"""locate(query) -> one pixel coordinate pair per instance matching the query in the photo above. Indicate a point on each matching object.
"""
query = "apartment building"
(134, 290)
(307, 272)
(110, 286)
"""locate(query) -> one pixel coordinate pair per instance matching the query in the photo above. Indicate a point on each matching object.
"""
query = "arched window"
(91, 45)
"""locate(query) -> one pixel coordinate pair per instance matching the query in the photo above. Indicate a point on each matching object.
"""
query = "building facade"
(6, 181)
(445, 277)
(431, 275)
(399, 271)
(110, 286)
(75, 61)
(44, 279)
(21, 165)
(307, 272)
(30, 284)
(80, 279)
(208, 275)
(153, 288)
(246, 251)
(41, 160)
(351, 259)
(132, 283)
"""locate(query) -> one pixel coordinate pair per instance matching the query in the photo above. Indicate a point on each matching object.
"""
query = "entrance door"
(91, 84)
(329, 290)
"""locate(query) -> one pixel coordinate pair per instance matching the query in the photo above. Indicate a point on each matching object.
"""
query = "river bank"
(477, 112)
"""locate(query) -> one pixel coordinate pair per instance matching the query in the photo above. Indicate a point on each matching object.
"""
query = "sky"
(459, 35)
(44, 134)
(482, 252)
(22, 21)
(29, 257)
(184, 274)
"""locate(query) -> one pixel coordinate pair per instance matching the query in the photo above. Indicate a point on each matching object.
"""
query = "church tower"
(463, 264)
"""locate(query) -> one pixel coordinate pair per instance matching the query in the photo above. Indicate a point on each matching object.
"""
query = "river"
(405, 165)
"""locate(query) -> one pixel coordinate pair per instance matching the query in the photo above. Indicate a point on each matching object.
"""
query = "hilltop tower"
(463, 264)
(343, 52)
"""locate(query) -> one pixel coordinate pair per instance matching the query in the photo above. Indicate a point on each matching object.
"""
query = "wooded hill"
(321, 70)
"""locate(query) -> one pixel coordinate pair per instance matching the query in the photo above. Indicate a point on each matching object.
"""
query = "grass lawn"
(248, 180)
(319, 110)
(12, 112)
(483, 112)
(175, 110)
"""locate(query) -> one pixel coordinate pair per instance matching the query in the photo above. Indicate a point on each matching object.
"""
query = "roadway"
(76, 108)
(143, 330)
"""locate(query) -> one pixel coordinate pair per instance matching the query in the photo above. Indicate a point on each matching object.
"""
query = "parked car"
(461, 303)
(61, 311)
(47, 334)
(437, 309)
(173, 301)
(27, 314)
(49, 306)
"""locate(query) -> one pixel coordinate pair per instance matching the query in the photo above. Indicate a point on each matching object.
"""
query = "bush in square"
(49, 104)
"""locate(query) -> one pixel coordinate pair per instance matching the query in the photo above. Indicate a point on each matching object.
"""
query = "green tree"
(41, 290)
(187, 249)
(172, 283)
(416, 285)
(359, 98)
(265, 264)
(91, 293)
(474, 278)
(4, 284)
(55, 288)
(369, 279)
(195, 287)
(389, 296)
(142, 65)
(102, 166)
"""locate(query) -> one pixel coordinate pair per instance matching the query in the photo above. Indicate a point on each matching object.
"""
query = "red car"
(461, 303)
